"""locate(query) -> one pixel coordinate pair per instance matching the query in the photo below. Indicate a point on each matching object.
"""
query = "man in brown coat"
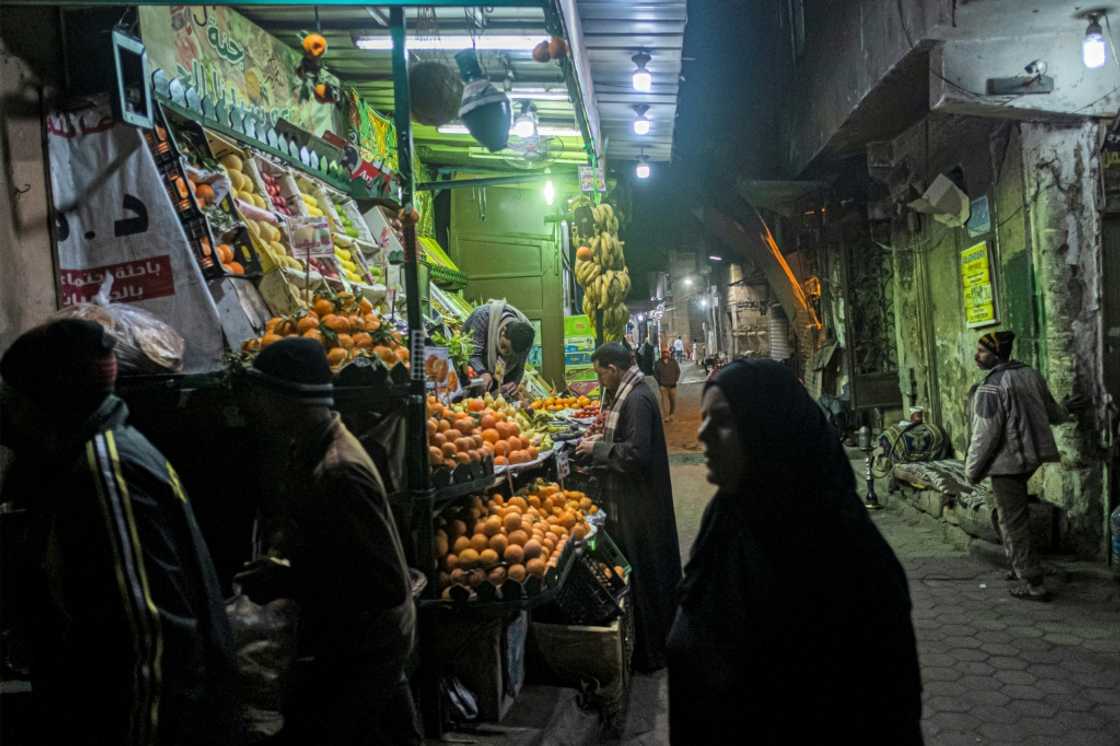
(1012, 410)
(357, 617)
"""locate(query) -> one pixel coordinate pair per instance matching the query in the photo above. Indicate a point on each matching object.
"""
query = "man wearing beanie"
(357, 618)
(130, 640)
(1012, 410)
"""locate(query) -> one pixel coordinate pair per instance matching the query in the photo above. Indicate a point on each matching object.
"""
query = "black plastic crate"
(594, 591)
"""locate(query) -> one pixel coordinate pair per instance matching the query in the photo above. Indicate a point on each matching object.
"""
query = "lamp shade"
(485, 110)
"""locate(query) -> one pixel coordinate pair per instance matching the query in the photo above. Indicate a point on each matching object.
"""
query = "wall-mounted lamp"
(1094, 53)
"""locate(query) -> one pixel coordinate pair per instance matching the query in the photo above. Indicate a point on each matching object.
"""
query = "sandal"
(1024, 592)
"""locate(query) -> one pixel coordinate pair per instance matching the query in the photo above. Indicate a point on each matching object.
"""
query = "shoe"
(1028, 592)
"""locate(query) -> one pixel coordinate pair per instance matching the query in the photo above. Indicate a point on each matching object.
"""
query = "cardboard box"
(487, 655)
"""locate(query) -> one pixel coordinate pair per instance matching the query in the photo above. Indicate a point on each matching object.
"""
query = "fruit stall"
(291, 205)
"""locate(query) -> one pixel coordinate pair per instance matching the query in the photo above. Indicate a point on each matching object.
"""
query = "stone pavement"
(997, 670)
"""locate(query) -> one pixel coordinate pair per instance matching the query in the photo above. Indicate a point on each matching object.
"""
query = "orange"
(536, 567)
(345, 341)
(480, 540)
(337, 356)
(363, 341)
(501, 448)
(433, 428)
(269, 339)
(444, 426)
(499, 542)
(364, 306)
(512, 522)
(205, 193)
(476, 405)
(449, 450)
(462, 458)
(323, 307)
(307, 322)
(532, 549)
(513, 554)
(315, 45)
(488, 558)
(500, 460)
(314, 334)
(517, 572)
(402, 354)
(371, 323)
(385, 354)
(272, 323)
(225, 253)
(492, 526)
(435, 455)
(491, 436)
(468, 559)
(336, 323)
(234, 268)
(488, 421)
(461, 543)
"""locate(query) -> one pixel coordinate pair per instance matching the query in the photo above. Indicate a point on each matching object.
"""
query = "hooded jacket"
(1012, 410)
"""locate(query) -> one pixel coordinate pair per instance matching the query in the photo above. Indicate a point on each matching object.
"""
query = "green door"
(501, 242)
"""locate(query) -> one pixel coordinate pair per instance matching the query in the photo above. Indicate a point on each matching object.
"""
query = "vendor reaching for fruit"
(502, 340)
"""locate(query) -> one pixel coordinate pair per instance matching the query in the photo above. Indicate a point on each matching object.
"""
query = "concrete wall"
(1045, 248)
(28, 68)
(849, 47)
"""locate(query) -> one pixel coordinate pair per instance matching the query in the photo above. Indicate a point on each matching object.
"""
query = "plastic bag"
(145, 345)
(264, 636)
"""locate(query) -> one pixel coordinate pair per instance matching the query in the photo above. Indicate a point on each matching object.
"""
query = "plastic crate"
(594, 591)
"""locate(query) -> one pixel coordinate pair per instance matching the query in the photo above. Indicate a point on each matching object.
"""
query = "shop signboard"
(226, 57)
(439, 373)
(978, 287)
(592, 179)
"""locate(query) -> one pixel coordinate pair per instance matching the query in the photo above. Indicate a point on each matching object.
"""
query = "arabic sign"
(311, 238)
(224, 55)
(134, 281)
(114, 217)
(593, 179)
(375, 137)
(976, 282)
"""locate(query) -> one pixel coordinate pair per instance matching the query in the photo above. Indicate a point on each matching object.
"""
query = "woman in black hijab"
(794, 619)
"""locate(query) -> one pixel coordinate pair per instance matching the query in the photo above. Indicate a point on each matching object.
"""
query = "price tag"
(563, 467)
(311, 238)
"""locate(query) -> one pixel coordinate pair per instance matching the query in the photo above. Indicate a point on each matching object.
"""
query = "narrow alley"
(995, 670)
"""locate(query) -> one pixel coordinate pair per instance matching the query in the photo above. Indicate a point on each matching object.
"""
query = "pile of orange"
(459, 437)
(557, 403)
(346, 326)
(500, 538)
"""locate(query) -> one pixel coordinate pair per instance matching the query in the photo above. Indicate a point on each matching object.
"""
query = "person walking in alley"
(330, 518)
(678, 349)
(667, 371)
(634, 460)
(129, 635)
(1012, 410)
(764, 649)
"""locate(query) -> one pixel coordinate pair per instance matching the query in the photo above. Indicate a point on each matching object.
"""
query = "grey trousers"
(1014, 525)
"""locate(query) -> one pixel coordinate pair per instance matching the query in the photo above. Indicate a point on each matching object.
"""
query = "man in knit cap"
(1012, 410)
(130, 640)
(331, 519)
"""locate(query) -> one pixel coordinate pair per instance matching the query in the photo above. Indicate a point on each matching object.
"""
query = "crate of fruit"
(281, 194)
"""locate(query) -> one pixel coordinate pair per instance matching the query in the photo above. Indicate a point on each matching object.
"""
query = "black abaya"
(639, 493)
(794, 621)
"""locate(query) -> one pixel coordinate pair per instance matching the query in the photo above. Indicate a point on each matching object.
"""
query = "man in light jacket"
(1012, 410)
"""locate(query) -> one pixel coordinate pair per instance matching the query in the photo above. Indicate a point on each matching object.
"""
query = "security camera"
(1038, 68)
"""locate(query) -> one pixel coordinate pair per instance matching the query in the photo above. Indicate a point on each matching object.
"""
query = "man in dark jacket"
(502, 338)
(634, 461)
(130, 640)
(1012, 411)
(330, 517)
(667, 371)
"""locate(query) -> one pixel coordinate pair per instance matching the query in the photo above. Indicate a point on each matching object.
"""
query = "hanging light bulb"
(642, 171)
(526, 124)
(642, 79)
(1094, 53)
(641, 123)
(549, 193)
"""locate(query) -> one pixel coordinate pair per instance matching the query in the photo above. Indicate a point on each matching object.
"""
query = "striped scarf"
(613, 403)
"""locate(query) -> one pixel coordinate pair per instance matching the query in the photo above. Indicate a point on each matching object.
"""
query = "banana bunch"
(601, 272)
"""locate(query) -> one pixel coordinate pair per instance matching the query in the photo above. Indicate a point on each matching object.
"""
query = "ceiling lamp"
(641, 122)
(642, 171)
(643, 80)
(485, 42)
(1093, 50)
(485, 110)
(525, 126)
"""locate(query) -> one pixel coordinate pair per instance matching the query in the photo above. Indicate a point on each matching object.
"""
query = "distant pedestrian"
(633, 460)
(678, 349)
(130, 639)
(667, 371)
(1012, 410)
(794, 612)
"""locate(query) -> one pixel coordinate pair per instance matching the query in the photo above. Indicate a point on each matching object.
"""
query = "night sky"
(729, 48)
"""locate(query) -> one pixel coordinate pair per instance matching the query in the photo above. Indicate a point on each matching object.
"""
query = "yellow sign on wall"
(978, 287)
